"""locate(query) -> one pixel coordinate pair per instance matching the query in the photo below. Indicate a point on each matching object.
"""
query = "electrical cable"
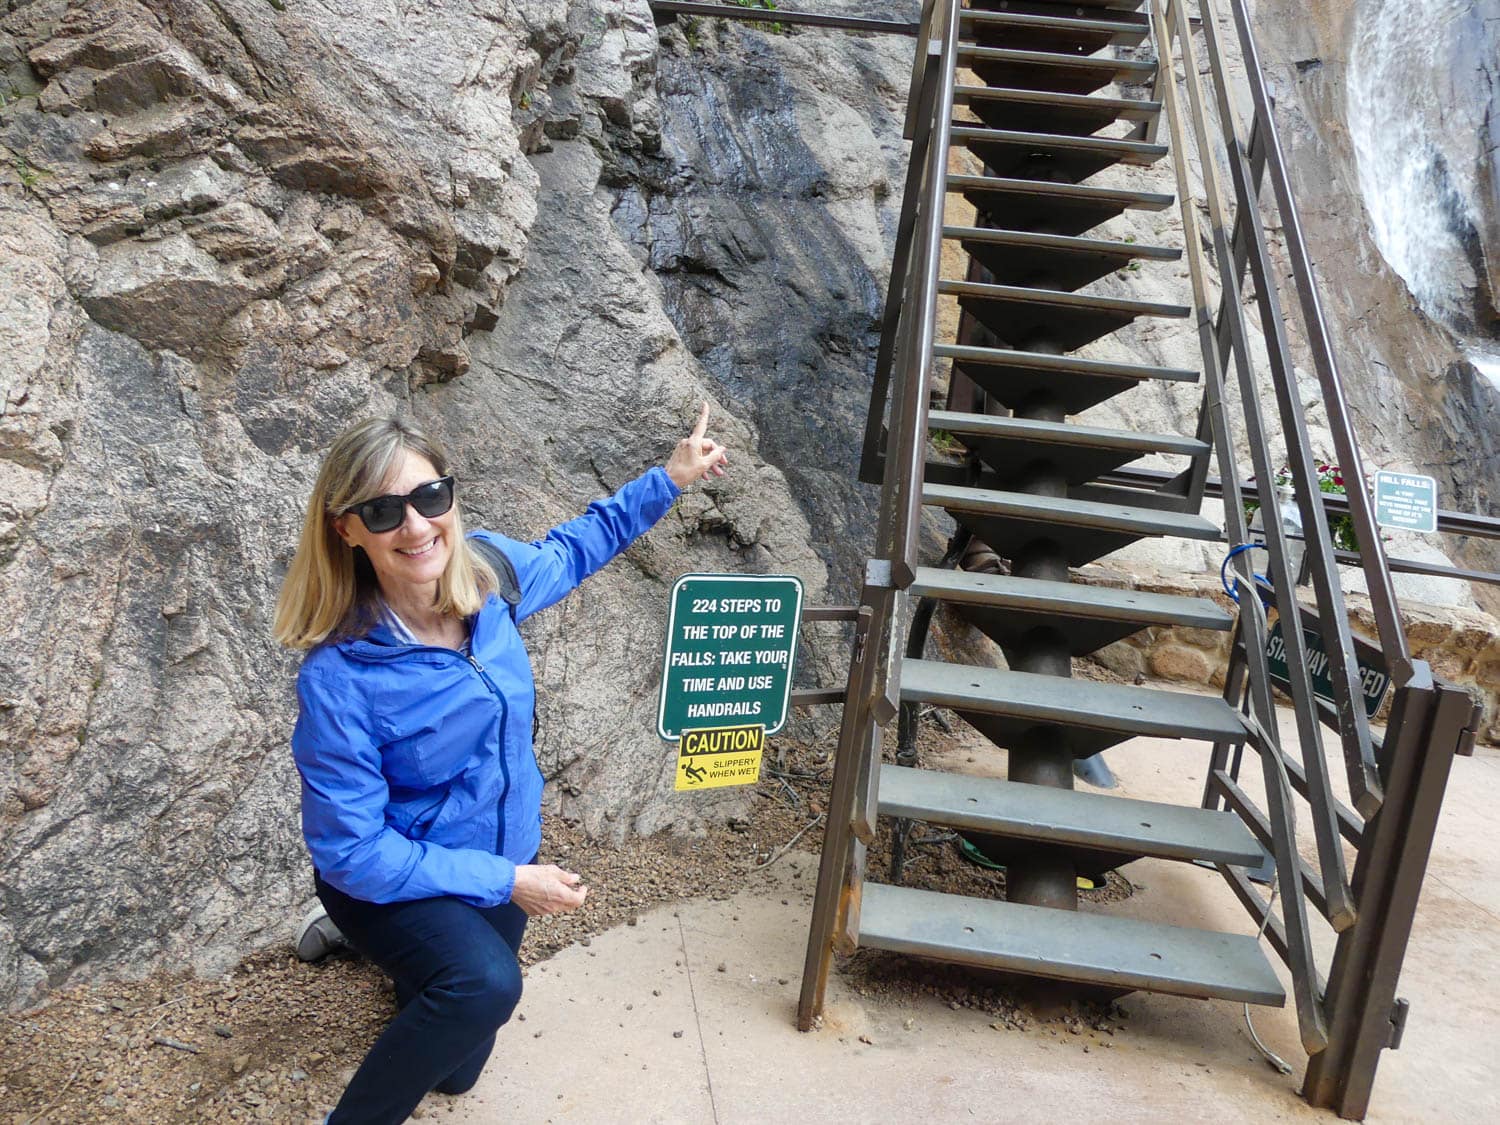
(1224, 569)
(1269, 1055)
(1268, 746)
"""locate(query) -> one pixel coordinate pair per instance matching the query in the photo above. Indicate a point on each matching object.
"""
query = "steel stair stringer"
(1050, 115)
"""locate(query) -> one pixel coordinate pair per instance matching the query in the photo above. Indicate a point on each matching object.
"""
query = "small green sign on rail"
(731, 646)
(1407, 501)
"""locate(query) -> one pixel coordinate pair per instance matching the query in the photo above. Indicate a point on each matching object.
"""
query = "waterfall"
(1424, 116)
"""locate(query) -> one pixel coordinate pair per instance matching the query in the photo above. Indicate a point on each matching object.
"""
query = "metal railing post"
(1387, 880)
(1381, 590)
(1331, 859)
(837, 833)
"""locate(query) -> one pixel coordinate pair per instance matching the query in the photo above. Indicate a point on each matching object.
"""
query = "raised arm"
(696, 455)
(552, 567)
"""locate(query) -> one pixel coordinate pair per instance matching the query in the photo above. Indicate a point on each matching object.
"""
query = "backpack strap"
(510, 586)
(510, 594)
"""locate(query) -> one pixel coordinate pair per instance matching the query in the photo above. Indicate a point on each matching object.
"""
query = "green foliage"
(1331, 481)
(775, 27)
(945, 442)
(279, 5)
(28, 175)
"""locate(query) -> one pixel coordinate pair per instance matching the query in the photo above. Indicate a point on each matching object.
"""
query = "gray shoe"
(317, 936)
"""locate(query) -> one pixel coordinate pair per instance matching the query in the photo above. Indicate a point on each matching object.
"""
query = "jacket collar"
(381, 642)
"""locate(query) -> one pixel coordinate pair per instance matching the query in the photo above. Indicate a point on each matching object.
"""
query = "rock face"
(1416, 382)
(229, 229)
(547, 230)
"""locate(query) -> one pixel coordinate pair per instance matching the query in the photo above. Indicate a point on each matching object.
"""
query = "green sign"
(1406, 501)
(1373, 682)
(731, 645)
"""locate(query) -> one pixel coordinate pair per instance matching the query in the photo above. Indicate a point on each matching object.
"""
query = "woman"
(421, 796)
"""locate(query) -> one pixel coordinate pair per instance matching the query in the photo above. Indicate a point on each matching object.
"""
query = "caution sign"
(712, 759)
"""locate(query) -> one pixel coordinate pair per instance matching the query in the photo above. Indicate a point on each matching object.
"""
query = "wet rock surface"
(766, 215)
(1420, 399)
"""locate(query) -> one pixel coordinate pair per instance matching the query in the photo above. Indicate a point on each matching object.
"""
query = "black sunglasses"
(385, 513)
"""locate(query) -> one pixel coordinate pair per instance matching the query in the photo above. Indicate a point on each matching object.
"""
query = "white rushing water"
(1422, 112)
(1487, 364)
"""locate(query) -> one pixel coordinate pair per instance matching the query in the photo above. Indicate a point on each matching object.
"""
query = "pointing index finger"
(702, 427)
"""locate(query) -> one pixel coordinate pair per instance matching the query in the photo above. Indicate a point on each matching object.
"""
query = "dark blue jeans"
(457, 980)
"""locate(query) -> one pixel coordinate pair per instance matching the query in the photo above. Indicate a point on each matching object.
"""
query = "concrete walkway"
(687, 1015)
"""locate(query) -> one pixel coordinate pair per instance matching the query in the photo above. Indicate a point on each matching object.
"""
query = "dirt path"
(276, 1039)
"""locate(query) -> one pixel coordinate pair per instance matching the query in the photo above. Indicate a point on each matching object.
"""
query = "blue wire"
(1224, 569)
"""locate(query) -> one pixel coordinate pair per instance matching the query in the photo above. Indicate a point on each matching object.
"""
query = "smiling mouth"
(418, 552)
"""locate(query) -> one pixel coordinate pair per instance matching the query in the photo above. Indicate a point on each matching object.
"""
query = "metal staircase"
(1050, 109)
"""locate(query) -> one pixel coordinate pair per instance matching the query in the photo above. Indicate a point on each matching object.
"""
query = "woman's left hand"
(696, 455)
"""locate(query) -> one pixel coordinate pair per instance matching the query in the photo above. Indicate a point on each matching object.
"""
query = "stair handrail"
(1350, 1016)
(1252, 628)
(908, 424)
(1233, 255)
(1382, 593)
(905, 359)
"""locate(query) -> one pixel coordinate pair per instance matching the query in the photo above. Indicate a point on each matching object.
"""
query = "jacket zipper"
(504, 719)
(416, 820)
(504, 769)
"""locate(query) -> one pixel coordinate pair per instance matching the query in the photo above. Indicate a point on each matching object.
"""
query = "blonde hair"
(330, 590)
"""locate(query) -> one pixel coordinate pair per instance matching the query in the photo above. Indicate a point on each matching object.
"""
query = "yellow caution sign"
(712, 759)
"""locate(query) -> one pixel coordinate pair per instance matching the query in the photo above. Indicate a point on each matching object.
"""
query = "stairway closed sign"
(1373, 682)
(726, 678)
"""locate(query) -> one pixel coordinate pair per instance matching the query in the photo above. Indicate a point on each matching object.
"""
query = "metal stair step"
(1067, 945)
(1021, 315)
(1010, 446)
(1037, 205)
(1070, 32)
(1046, 111)
(1089, 716)
(1105, 7)
(1135, 608)
(1068, 817)
(1010, 609)
(1108, 7)
(1055, 261)
(1014, 378)
(1067, 158)
(1048, 70)
(1085, 529)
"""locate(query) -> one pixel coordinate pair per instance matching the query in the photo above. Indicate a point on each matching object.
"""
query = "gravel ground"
(276, 1039)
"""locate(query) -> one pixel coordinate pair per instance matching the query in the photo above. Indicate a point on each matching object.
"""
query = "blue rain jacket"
(418, 774)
